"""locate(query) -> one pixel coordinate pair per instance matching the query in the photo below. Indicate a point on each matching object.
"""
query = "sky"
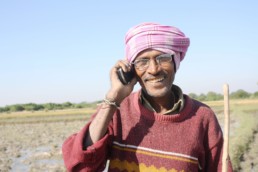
(59, 51)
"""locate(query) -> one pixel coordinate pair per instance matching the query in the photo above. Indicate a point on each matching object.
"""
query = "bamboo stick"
(226, 129)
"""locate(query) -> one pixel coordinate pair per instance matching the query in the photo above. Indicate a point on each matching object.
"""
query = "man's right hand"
(118, 90)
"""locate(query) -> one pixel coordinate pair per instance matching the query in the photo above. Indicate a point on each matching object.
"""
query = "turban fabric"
(167, 39)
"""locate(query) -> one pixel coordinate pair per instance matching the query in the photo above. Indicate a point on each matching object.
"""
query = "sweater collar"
(177, 107)
(153, 116)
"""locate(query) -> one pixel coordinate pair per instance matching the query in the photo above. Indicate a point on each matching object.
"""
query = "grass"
(243, 126)
(245, 118)
(46, 116)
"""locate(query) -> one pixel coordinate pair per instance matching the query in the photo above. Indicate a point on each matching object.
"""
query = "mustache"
(152, 77)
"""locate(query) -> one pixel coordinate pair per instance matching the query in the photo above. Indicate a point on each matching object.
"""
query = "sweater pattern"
(124, 165)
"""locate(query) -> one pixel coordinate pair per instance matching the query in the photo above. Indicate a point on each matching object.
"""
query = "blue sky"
(58, 51)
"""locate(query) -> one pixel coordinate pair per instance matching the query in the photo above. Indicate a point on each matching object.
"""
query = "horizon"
(62, 51)
(89, 102)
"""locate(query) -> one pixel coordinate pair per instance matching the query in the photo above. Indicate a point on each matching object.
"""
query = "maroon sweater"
(141, 140)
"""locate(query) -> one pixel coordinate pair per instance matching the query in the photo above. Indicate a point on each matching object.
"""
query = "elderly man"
(157, 128)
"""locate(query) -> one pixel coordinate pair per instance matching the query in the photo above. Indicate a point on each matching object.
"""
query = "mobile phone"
(125, 77)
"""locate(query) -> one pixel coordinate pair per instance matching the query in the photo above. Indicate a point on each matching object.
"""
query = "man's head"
(156, 52)
(167, 39)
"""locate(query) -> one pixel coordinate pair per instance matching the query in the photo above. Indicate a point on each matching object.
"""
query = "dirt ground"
(37, 147)
(34, 147)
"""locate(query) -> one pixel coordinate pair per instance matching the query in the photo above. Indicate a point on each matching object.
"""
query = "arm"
(93, 158)
(88, 149)
(116, 94)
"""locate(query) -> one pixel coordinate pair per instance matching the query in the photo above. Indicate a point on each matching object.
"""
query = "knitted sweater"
(140, 140)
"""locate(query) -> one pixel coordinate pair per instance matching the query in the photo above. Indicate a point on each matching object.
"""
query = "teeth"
(156, 80)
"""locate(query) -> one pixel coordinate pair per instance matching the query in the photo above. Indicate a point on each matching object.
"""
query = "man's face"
(156, 80)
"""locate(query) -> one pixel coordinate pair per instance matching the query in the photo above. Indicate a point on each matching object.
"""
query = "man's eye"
(164, 58)
(142, 62)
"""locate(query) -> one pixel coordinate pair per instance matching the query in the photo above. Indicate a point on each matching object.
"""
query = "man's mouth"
(155, 80)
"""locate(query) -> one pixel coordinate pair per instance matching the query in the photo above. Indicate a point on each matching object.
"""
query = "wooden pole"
(226, 129)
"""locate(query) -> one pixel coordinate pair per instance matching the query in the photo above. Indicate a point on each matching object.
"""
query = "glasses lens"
(164, 59)
(141, 64)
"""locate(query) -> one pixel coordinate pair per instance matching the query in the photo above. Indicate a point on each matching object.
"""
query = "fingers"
(133, 81)
(125, 65)
(121, 91)
(113, 73)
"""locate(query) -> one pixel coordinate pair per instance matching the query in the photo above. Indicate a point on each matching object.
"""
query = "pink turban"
(167, 39)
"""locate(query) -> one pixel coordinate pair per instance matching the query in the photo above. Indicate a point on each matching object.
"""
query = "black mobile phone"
(125, 77)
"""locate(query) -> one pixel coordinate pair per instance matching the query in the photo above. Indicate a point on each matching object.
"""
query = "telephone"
(125, 77)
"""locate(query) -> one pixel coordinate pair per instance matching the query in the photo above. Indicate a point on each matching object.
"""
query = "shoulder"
(205, 115)
(201, 109)
(197, 105)
(131, 102)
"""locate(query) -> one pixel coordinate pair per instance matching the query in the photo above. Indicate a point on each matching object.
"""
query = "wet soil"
(34, 147)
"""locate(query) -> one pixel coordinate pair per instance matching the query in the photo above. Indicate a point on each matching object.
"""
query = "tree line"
(210, 96)
(46, 107)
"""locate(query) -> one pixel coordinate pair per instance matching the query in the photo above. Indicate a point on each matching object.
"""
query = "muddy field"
(32, 141)
(34, 147)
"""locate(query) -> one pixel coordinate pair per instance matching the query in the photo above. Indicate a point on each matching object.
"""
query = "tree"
(49, 106)
(255, 94)
(67, 105)
(193, 96)
(212, 96)
(32, 107)
(240, 94)
(202, 97)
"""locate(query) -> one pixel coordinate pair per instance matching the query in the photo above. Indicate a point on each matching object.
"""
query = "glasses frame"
(157, 59)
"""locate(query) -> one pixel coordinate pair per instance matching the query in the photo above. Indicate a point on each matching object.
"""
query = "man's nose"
(153, 67)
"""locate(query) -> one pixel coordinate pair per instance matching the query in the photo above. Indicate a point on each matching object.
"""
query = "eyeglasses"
(161, 60)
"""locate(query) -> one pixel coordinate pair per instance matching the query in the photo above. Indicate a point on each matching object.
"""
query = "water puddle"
(18, 163)
(39, 156)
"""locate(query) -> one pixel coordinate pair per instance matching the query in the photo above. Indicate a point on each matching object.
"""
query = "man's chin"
(157, 93)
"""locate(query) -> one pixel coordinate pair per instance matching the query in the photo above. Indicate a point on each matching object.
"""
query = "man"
(157, 128)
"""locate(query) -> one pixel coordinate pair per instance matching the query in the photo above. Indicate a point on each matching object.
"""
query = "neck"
(162, 104)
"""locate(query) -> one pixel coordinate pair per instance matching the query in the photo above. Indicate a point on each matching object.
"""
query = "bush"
(240, 94)
(193, 95)
(32, 107)
(16, 108)
(212, 96)
(255, 94)
(67, 105)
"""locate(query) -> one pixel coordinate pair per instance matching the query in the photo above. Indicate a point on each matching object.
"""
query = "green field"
(243, 130)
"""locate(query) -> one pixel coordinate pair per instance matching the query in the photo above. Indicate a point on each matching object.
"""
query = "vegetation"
(210, 96)
(243, 129)
(46, 107)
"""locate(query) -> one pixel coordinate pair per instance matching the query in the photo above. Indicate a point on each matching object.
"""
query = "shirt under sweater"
(139, 139)
(178, 100)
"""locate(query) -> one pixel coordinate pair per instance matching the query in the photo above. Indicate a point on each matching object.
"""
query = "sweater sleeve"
(214, 146)
(92, 159)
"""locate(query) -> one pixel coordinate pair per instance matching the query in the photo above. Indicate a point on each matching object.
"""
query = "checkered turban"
(167, 39)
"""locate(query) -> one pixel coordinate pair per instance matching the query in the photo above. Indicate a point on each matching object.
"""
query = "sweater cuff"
(94, 152)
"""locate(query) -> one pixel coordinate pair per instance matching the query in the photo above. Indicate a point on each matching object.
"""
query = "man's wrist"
(110, 103)
(112, 96)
